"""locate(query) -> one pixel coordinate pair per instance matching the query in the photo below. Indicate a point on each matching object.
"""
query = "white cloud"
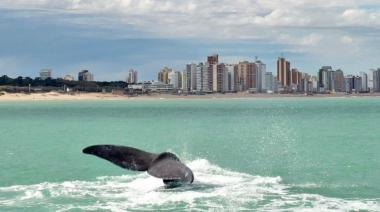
(301, 23)
(347, 40)
(282, 17)
(311, 40)
(360, 17)
(259, 13)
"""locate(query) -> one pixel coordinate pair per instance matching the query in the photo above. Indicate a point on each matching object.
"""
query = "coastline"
(54, 96)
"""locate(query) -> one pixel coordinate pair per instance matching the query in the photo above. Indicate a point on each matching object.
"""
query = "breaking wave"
(213, 187)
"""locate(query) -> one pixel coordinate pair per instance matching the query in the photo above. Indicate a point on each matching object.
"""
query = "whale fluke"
(166, 166)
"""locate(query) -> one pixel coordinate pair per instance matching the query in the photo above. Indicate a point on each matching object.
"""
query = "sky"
(110, 37)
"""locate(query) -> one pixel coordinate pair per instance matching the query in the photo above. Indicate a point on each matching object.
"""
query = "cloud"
(319, 27)
(347, 40)
(360, 17)
(221, 13)
(311, 40)
(305, 21)
(217, 19)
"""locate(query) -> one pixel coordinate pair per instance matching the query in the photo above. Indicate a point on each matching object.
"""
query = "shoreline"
(54, 96)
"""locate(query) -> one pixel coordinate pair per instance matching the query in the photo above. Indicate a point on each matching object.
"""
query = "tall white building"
(192, 69)
(370, 79)
(132, 77)
(225, 87)
(331, 78)
(314, 84)
(175, 79)
(269, 82)
(260, 77)
(364, 83)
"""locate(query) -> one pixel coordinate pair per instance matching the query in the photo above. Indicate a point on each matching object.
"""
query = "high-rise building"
(85, 75)
(192, 68)
(225, 80)
(349, 83)
(200, 69)
(218, 77)
(200, 77)
(163, 75)
(370, 79)
(295, 79)
(269, 82)
(246, 75)
(283, 72)
(331, 77)
(231, 71)
(305, 84)
(132, 77)
(314, 84)
(175, 79)
(260, 77)
(376, 80)
(211, 61)
(364, 78)
(326, 79)
(207, 78)
(357, 84)
(186, 81)
(294, 76)
(339, 81)
(45, 73)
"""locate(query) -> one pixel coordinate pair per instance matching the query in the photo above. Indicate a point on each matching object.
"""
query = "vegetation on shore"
(28, 84)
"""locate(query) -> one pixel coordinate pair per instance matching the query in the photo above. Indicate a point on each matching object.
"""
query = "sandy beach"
(108, 96)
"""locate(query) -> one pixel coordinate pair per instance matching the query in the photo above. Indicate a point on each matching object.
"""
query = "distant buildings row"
(212, 76)
(83, 75)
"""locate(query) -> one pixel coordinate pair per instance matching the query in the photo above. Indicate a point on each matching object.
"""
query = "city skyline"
(127, 71)
(111, 37)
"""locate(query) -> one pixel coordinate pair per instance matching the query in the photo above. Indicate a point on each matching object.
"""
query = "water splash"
(214, 187)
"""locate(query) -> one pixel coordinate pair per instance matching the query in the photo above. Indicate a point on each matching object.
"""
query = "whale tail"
(165, 165)
(125, 157)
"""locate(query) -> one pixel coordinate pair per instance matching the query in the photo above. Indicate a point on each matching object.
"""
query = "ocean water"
(284, 154)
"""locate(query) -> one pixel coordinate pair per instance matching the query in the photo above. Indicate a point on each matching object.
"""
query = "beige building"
(163, 75)
(218, 77)
(246, 78)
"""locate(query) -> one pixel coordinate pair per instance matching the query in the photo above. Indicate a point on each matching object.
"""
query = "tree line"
(50, 84)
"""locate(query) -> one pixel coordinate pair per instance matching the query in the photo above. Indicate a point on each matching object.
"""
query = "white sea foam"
(213, 187)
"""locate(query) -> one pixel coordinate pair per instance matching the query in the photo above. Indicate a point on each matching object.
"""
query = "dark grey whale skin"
(165, 165)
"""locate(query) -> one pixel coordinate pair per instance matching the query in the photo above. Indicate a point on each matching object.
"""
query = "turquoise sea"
(281, 154)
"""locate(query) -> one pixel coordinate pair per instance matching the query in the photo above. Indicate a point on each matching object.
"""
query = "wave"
(214, 187)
